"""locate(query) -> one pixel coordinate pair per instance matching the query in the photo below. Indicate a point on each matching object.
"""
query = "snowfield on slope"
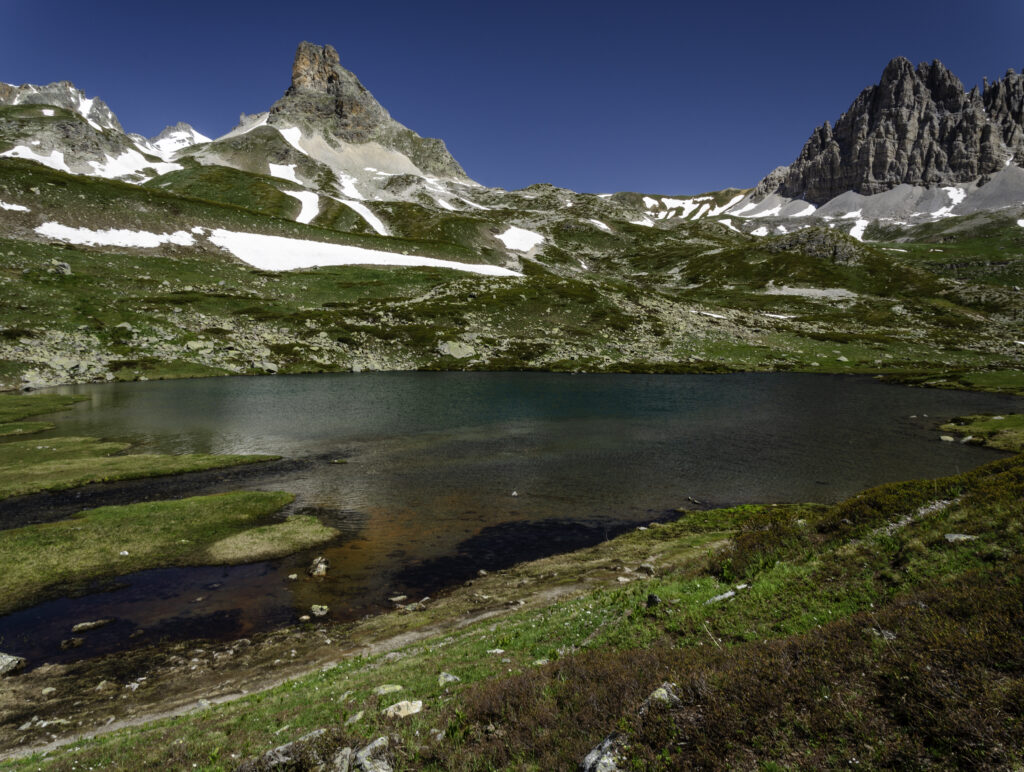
(113, 237)
(277, 253)
(13, 207)
(310, 205)
(520, 239)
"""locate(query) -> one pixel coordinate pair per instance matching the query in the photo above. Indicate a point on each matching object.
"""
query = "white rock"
(403, 709)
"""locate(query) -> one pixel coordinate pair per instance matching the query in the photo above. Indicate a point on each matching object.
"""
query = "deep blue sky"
(597, 96)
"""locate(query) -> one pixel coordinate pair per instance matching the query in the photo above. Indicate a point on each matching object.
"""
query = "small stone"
(645, 568)
(123, 553)
(83, 627)
(368, 758)
(953, 538)
(103, 686)
(605, 757)
(305, 618)
(48, 691)
(623, 579)
(403, 709)
(495, 651)
(293, 577)
(71, 643)
(10, 664)
(447, 678)
(398, 598)
(387, 689)
(319, 566)
(481, 572)
(354, 718)
(653, 600)
(541, 662)
(319, 611)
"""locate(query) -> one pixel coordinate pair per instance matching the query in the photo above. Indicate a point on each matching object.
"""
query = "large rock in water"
(325, 98)
(917, 126)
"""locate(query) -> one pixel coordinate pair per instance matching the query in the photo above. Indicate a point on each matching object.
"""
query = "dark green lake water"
(451, 472)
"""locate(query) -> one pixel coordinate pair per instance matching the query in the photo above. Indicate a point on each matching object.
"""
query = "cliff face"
(917, 126)
(327, 99)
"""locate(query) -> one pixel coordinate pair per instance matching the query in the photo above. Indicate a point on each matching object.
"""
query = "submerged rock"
(319, 566)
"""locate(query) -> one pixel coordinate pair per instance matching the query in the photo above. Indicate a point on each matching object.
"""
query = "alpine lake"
(430, 477)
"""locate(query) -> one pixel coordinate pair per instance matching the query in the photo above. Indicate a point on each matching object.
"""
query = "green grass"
(862, 633)
(59, 463)
(44, 560)
(1003, 432)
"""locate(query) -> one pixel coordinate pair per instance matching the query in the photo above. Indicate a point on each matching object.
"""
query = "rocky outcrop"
(917, 126)
(324, 98)
(62, 94)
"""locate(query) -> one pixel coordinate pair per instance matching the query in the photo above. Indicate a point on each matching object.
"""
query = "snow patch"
(650, 203)
(292, 137)
(857, 231)
(600, 225)
(805, 212)
(14, 207)
(444, 204)
(48, 113)
(704, 209)
(310, 205)
(745, 208)
(1020, 223)
(770, 213)
(520, 239)
(727, 222)
(171, 143)
(473, 204)
(284, 172)
(113, 237)
(647, 222)
(276, 253)
(348, 187)
(762, 231)
(129, 162)
(54, 160)
(956, 197)
(718, 210)
(368, 215)
(834, 293)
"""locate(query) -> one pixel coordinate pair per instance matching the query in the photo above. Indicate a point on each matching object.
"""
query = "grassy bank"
(1005, 432)
(885, 631)
(15, 407)
(59, 463)
(40, 560)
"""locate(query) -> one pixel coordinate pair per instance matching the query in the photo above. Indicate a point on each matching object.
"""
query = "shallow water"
(451, 472)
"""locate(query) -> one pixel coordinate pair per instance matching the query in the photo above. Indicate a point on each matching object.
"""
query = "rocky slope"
(917, 127)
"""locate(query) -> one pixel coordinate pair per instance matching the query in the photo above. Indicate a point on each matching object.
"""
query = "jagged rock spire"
(916, 126)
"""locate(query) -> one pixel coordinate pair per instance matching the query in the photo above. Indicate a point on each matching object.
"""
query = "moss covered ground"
(885, 631)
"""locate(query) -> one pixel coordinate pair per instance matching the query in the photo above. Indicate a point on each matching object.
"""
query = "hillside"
(324, 236)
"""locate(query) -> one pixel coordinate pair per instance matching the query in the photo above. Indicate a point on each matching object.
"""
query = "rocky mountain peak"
(316, 68)
(327, 100)
(916, 126)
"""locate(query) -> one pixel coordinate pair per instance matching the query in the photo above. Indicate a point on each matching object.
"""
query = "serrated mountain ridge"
(917, 126)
